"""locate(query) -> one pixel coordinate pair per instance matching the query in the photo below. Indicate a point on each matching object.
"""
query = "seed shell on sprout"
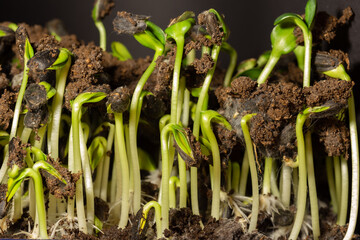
(20, 36)
(42, 60)
(129, 23)
(35, 96)
(119, 99)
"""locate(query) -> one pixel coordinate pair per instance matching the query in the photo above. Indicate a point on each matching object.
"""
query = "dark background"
(250, 22)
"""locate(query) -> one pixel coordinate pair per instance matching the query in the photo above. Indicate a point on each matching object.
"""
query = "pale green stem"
(233, 59)
(286, 185)
(174, 182)
(273, 59)
(40, 204)
(105, 173)
(102, 32)
(80, 209)
(133, 133)
(71, 166)
(216, 176)
(88, 183)
(158, 220)
(355, 169)
(267, 176)
(196, 128)
(57, 106)
(235, 177)
(166, 169)
(312, 187)
(337, 171)
(253, 172)
(331, 182)
(244, 174)
(302, 191)
(344, 192)
(17, 209)
(120, 136)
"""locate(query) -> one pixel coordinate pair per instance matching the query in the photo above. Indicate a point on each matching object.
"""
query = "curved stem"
(119, 132)
(133, 133)
(158, 220)
(253, 172)
(196, 127)
(15, 120)
(102, 32)
(355, 169)
(233, 59)
(40, 203)
(216, 169)
(312, 186)
(174, 182)
(302, 191)
(273, 59)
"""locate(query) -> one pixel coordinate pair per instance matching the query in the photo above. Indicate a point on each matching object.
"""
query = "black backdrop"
(250, 22)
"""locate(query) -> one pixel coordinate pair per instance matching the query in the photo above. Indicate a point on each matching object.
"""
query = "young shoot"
(100, 10)
(253, 172)
(151, 36)
(158, 220)
(207, 118)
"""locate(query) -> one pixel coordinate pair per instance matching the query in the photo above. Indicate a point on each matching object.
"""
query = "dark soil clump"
(7, 103)
(17, 152)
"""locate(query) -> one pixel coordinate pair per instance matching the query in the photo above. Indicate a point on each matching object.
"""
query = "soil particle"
(182, 224)
(73, 89)
(241, 88)
(3, 203)
(57, 187)
(334, 135)
(70, 42)
(128, 23)
(17, 153)
(196, 150)
(280, 100)
(88, 62)
(203, 65)
(226, 140)
(334, 232)
(212, 26)
(325, 26)
(113, 233)
(265, 134)
(101, 209)
(47, 42)
(7, 102)
(105, 7)
(328, 92)
(76, 234)
(4, 82)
